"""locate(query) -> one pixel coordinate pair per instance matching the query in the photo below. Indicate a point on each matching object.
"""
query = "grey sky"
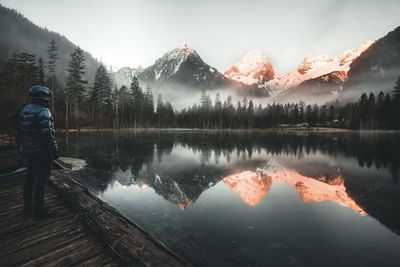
(129, 33)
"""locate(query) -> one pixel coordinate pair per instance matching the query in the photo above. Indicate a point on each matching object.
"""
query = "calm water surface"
(253, 198)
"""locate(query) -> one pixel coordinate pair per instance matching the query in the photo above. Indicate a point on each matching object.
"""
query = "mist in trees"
(78, 103)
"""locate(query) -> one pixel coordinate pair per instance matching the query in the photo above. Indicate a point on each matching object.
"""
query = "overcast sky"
(129, 33)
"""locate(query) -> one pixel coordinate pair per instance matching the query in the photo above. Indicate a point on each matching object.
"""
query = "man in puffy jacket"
(37, 138)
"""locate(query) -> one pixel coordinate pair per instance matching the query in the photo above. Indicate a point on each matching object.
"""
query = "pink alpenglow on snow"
(314, 66)
(252, 187)
(254, 68)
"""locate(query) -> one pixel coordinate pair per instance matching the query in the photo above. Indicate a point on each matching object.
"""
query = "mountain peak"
(182, 65)
(343, 60)
(314, 66)
(183, 47)
(253, 68)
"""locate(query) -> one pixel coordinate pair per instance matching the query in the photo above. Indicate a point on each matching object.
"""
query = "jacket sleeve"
(47, 132)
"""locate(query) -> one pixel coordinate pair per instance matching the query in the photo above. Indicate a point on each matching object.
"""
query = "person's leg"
(28, 185)
(44, 167)
(43, 173)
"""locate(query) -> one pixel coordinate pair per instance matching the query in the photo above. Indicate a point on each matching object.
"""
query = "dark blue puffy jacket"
(36, 126)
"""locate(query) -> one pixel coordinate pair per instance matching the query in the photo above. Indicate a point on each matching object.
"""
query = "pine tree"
(323, 114)
(137, 99)
(148, 106)
(308, 115)
(250, 112)
(26, 66)
(41, 73)
(124, 102)
(396, 91)
(160, 110)
(331, 115)
(75, 86)
(52, 52)
(205, 105)
(396, 104)
(101, 93)
(218, 111)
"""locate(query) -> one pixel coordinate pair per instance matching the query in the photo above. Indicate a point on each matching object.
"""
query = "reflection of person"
(37, 138)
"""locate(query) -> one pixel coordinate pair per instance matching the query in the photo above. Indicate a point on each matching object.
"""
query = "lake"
(252, 198)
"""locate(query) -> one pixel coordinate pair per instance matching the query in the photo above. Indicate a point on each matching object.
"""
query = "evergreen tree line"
(369, 112)
(78, 103)
(20, 72)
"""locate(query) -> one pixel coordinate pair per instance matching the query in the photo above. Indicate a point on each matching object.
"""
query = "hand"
(55, 155)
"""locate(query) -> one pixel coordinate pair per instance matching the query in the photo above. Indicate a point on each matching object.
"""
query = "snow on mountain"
(125, 75)
(254, 75)
(314, 66)
(182, 65)
(253, 68)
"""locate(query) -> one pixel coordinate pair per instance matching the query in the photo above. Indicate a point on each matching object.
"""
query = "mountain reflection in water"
(253, 186)
(251, 198)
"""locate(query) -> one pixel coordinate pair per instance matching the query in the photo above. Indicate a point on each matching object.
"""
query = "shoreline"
(300, 129)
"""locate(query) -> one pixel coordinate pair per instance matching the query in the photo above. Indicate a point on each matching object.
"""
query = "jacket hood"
(40, 95)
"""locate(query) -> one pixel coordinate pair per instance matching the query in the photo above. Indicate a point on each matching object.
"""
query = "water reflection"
(253, 186)
(183, 186)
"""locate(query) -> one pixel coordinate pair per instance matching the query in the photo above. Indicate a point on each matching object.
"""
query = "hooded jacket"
(36, 126)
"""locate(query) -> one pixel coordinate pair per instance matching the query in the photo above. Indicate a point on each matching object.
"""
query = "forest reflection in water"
(182, 186)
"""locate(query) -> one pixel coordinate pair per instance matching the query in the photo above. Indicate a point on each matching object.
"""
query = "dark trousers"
(38, 174)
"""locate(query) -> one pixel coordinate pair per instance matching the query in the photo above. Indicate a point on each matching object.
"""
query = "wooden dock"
(59, 241)
(85, 232)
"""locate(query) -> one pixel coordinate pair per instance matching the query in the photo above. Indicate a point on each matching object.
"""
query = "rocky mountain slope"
(183, 66)
(318, 76)
(378, 68)
(124, 76)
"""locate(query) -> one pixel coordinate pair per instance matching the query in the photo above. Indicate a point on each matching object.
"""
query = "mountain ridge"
(19, 34)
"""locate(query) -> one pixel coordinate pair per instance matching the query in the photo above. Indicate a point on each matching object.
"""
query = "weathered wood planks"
(58, 241)
(133, 245)
(85, 232)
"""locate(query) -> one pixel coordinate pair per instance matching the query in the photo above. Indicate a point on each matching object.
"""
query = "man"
(37, 137)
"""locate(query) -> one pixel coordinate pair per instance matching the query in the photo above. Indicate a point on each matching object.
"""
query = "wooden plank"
(32, 252)
(18, 200)
(22, 240)
(9, 198)
(17, 215)
(101, 259)
(77, 253)
(114, 263)
(19, 218)
(21, 224)
(57, 254)
(18, 207)
(85, 253)
(133, 245)
(26, 226)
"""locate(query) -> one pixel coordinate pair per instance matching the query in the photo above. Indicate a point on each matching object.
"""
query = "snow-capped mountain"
(184, 66)
(254, 68)
(314, 66)
(125, 75)
(324, 88)
(319, 76)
